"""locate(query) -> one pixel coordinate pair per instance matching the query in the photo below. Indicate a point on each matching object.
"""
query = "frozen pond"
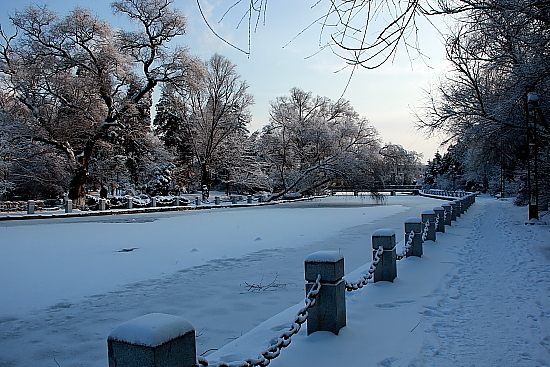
(66, 283)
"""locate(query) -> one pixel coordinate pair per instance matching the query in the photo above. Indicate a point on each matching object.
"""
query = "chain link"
(283, 340)
(425, 231)
(436, 222)
(370, 273)
(407, 246)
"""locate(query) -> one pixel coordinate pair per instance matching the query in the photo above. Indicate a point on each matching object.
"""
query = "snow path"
(490, 310)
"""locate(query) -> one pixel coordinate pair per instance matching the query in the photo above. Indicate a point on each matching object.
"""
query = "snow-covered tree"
(313, 141)
(78, 79)
(207, 120)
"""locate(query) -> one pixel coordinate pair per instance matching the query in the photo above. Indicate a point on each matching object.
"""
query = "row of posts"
(170, 340)
(102, 204)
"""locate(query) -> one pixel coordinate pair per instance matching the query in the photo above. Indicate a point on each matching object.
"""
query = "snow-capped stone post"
(234, 199)
(154, 202)
(197, 201)
(463, 205)
(429, 215)
(102, 204)
(249, 199)
(30, 207)
(69, 206)
(439, 213)
(217, 200)
(453, 210)
(129, 203)
(177, 201)
(329, 312)
(386, 270)
(447, 217)
(458, 203)
(153, 340)
(414, 225)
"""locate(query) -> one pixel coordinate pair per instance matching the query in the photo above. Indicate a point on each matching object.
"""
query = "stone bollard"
(102, 204)
(453, 210)
(234, 199)
(30, 207)
(154, 202)
(69, 206)
(386, 270)
(429, 215)
(249, 199)
(153, 340)
(414, 224)
(458, 203)
(329, 312)
(448, 209)
(177, 201)
(217, 200)
(197, 201)
(392, 193)
(463, 206)
(439, 213)
(129, 203)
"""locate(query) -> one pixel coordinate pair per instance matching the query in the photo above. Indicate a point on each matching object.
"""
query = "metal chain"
(407, 246)
(283, 340)
(370, 273)
(436, 221)
(426, 229)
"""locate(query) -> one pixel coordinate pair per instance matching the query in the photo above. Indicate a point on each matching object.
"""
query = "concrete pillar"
(414, 224)
(439, 213)
(30, 207)
(249, 199)
(463, 206)
(129, 203)
(154, 202)
(329, 312)
(69, 206)
(448, 209)
(177, 201)
(102, 204)
(197, 201)
(234, 199)
(453, 210)
(217, 200)
(429, 215)
(386, 270)
(153, 340)
(458, 208)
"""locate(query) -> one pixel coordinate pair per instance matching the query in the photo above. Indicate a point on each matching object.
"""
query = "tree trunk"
(77, 191)
(205, 175)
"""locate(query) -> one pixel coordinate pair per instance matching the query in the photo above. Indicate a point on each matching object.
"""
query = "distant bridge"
(413, 189)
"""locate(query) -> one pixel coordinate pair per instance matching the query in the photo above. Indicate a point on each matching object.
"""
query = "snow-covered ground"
(478, 297)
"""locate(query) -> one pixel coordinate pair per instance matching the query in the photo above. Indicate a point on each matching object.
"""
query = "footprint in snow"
(258, 239)
(194, 250)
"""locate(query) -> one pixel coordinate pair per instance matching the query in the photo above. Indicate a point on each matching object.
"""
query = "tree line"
(491, 106)
(77, 113)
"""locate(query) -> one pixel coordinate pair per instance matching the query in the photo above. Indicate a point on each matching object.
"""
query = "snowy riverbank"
(67, 283)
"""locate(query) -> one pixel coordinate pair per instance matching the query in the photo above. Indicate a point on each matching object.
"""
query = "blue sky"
(385, 95)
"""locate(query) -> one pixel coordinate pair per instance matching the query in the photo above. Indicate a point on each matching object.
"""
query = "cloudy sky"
(284, 54)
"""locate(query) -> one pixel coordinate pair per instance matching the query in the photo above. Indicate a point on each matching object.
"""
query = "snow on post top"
(383, 233)
(151, 330)
(413, 220)
(425, 212)
(325, 257)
